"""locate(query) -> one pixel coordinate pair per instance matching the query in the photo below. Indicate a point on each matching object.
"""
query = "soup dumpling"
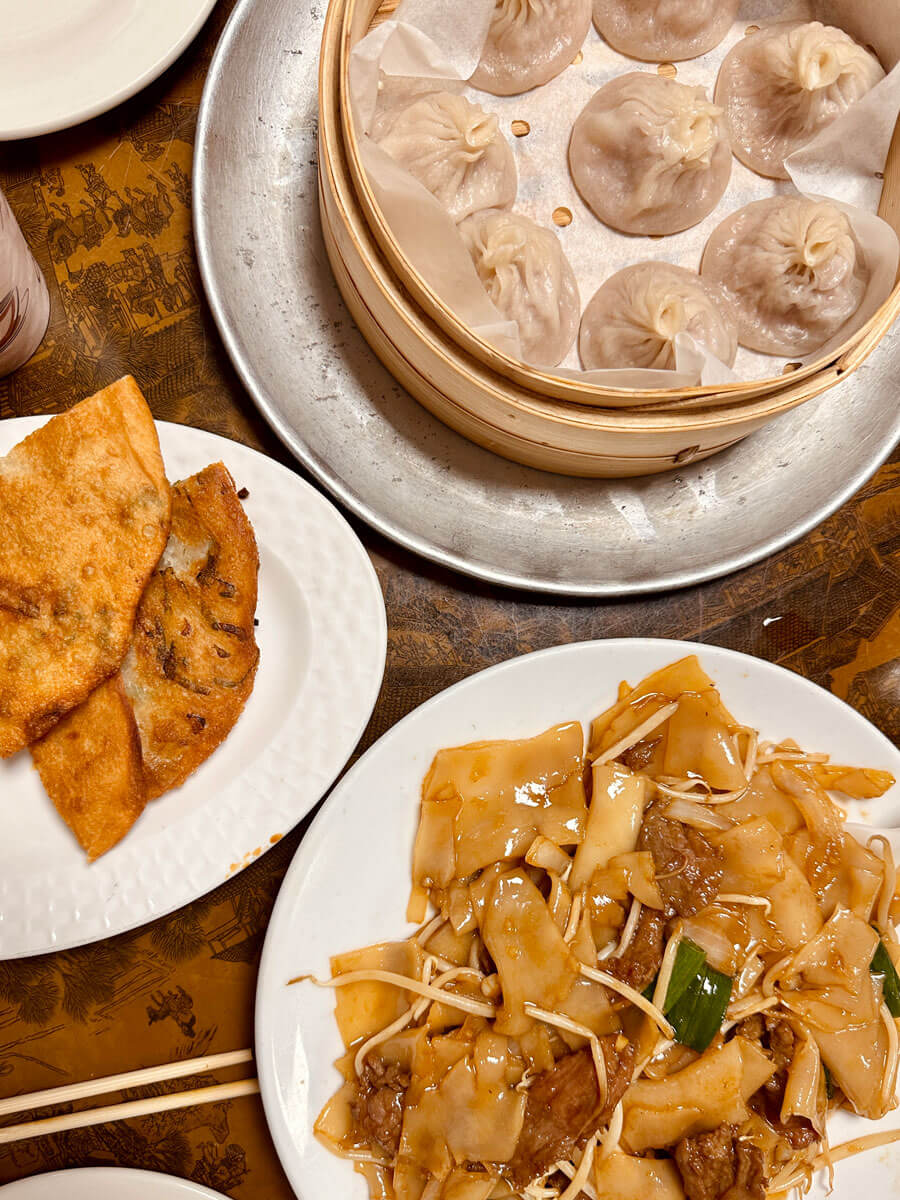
(664, 30)
(634, 318)
(529, 279)
(529, 43)
(783, 85)
(455, 149)
(650, 155)
(793, 270)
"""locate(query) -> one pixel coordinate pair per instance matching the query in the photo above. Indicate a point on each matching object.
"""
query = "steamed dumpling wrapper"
(529, 42)
(664, 30)
(539, 194)
(529, 279)
(783, 85)
(794, 271)
(455, 149)
(633, 320)
(650, 155)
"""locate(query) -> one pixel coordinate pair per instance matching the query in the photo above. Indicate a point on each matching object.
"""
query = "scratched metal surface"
(376, 449)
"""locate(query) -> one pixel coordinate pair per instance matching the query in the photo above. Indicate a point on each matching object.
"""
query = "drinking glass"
(24, 299)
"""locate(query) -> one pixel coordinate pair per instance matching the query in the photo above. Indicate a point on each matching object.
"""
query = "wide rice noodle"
(527, 879)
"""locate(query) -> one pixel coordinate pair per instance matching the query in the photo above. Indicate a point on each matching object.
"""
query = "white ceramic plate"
(63, 61)
(106, 1183)
(349, 882)
(322, 636)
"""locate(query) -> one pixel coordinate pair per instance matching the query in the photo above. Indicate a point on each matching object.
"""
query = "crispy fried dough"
(90, 764)
(192, 662)
(84, 512)
(184, 682)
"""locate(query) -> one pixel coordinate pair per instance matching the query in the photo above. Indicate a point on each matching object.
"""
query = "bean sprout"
(639, 1001)
(636, 735)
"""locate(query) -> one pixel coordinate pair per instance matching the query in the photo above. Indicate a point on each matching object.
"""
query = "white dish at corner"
(349, 882)
(63, 61)
(107, 1183)
(322, 636)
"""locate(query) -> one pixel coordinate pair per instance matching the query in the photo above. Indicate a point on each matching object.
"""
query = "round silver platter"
(388, 460)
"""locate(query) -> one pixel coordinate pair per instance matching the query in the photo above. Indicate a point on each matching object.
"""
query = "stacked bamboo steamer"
(527, 415)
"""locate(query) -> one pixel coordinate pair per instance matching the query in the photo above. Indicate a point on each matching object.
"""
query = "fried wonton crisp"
(90, 765)
(192, 663)
(84, 509)
(185, 679)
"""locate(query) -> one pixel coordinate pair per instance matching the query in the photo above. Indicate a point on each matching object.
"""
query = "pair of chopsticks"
(131, 1108)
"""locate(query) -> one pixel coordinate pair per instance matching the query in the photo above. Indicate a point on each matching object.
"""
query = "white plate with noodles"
(522, 994)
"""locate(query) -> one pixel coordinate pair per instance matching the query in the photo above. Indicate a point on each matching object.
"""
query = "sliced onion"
(546, 854)
(689, 812)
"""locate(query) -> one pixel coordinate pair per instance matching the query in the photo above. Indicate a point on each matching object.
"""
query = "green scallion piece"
(883, 968)
(697, 1016)
(689, 959)
(697, 997)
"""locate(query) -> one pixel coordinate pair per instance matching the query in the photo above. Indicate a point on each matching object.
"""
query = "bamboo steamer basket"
(526, 415)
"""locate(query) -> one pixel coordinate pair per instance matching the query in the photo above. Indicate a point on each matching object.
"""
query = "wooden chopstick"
(132, 1108)
(68, 1093)
(115, 1083)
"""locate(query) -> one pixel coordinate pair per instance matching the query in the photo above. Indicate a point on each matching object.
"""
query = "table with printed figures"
(106, 207)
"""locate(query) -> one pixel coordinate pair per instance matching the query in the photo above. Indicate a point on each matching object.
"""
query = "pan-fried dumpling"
(793, 269)
(650, 155)
(455, 149)
(529, 279)
(664, 30)
(783, 85)
(529, 43)
(633, 319)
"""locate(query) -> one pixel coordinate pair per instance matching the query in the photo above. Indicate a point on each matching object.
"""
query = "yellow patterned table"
(106, 208)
